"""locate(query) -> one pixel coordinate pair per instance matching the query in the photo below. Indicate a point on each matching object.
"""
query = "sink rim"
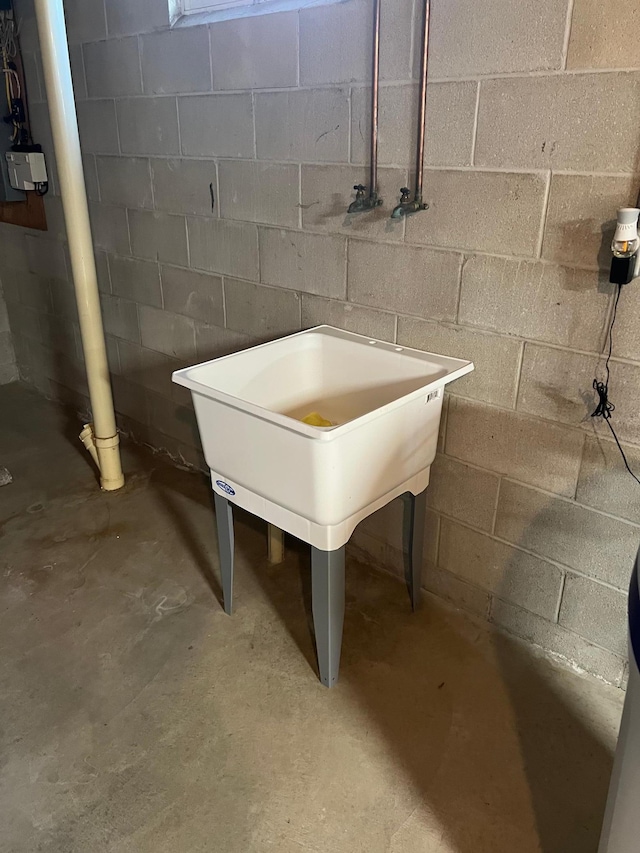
(456, 368)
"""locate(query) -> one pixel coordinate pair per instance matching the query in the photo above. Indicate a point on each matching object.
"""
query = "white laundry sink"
(383, 400)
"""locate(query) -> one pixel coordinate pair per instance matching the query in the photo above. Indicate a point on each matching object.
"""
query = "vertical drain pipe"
(64, 123)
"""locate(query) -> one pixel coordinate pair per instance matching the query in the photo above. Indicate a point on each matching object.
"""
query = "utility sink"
(317, 482)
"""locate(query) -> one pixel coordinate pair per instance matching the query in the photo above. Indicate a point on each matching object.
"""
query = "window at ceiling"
(194, 11)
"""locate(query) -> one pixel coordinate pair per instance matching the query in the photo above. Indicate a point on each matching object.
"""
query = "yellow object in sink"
(315, 419)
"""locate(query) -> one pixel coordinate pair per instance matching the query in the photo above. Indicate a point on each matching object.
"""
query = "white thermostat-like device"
(27, 170)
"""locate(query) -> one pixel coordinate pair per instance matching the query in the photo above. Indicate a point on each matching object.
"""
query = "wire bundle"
(605, 407)
(10, 58)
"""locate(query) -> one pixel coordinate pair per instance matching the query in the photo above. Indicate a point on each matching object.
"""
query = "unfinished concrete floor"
(136, 717)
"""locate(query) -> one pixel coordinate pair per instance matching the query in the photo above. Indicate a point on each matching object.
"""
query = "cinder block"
(129, 400)
(78, 77)
(507, 572)
(408, 279)
(97, 126)
(259, 52)
(329, 53)
(152, 370)
(463, 492)
(373, 552)
(303, 126)
(120, 317)
(26, 322)
(221, 246)
(9, 372)
(312, 263)
(63, 299)
(148, 126)
(90, 177)
(604, 481)
(262, 312)
(604, 34)
(7, 355)
(558, 640)
(158, 237)
(593, 544)
(173, 420)
(496, 359)
(85, 20)
(549, 303)
(125, 181)
(464, 595)
(102, 272)
(113, 357)
(165, 332)
(176, 61)
(451, 111)
(539, 122)
(626, 334)
(109, 228)
(259, 192)
(4, 317)
(327, 192)
(125, 18)
(112, 68)
(195, 294)
(596, 612)
(214, 341)
(184, 186)
(46, 257)
(581, 218)
(56, 225)
(136, 280)
(480, 211)
(13, 249)
(32, 76)
(558, 385)
(317, 311)
(216, 125)
(528, 449)
(485, 38)
(380, 535)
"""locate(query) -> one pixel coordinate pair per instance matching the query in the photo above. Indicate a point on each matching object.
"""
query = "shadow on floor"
(502, 757)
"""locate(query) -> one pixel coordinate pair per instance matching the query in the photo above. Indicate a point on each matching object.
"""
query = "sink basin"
(317, 482)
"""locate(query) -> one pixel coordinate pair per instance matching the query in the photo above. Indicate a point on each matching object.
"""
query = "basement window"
(191, 12)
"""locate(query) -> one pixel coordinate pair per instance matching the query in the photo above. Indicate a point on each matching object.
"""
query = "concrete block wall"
(8, 366)
(219, 163)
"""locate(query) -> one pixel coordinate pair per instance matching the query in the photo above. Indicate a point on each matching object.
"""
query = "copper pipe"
(407, 205)
(373, 183)
(422, 117)
(362, 202)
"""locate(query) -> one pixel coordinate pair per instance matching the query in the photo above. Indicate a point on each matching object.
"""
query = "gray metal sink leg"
(415, 509)
(327, 599)
(224, 523)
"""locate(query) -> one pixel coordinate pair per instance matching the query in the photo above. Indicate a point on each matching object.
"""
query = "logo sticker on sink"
(225, 487)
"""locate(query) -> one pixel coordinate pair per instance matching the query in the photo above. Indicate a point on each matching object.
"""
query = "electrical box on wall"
(27, 170)
(7, 192)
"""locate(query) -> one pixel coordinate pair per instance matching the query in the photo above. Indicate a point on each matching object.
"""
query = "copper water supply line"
(362, 201)
(407, 205)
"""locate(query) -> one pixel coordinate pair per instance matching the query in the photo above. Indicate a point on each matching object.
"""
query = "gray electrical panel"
(7, 192)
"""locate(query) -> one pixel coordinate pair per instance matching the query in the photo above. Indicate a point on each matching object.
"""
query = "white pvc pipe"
(66, 140)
